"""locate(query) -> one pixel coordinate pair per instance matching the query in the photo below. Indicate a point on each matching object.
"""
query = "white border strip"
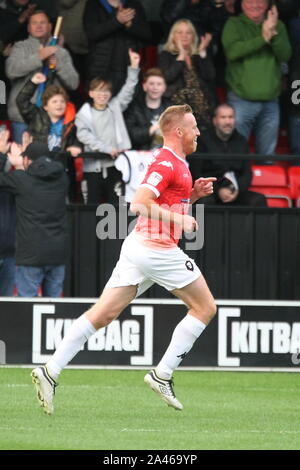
(92, 300)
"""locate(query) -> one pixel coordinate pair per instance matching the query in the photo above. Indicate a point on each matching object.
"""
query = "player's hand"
(38, 78)
(189, 223)
(204, 187)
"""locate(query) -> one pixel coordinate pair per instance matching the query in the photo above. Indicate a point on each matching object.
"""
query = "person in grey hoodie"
(101, 128)
(28, 57)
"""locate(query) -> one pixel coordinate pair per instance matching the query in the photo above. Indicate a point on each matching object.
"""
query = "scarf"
(108, 7)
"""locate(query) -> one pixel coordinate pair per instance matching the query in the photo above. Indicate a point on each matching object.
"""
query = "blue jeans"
(294, 134)
(262, 117)
(30, 278)
(18, 128)
(7, 276)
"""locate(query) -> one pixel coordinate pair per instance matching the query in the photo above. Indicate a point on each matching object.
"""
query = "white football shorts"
(144, 266)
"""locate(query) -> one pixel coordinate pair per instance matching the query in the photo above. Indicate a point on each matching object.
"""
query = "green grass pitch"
(115, 410)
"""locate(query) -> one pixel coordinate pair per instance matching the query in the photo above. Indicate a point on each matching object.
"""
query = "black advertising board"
(246, 334)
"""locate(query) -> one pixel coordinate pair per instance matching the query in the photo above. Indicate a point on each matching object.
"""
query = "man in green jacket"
(255, 44)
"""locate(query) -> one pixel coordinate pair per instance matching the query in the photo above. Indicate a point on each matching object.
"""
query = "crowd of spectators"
(236, 62)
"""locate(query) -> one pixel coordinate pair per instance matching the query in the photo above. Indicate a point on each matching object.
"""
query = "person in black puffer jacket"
(112, 27)
(42, 234)
(7, 237)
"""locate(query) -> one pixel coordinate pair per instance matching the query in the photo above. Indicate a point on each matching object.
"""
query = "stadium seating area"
(279, 184)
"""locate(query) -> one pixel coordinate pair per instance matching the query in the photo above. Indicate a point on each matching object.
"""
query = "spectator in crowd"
(7, 227)
(101, 128)
(287, 9)
(39, 185)
(255, 44)
(112, 27)
(74, 34)
(13, 20)
(143, 114)
(189, 71)
(14, 15)
(234, 176)
(294, 87)
(28, 57)
(223, 10)
(53, 123)
(199, 12)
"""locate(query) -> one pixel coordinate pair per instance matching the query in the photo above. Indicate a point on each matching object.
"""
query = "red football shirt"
(169, 177)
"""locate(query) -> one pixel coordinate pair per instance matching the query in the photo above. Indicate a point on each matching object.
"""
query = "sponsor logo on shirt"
(154, 178)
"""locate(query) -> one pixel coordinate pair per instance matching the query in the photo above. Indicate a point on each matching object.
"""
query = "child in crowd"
(101, 128)
(53, 123)
(143, 114)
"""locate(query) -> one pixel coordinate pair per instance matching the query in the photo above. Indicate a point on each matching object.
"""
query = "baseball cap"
(36, 150)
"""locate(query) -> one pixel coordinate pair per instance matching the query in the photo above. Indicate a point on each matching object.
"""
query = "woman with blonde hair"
(189, 70)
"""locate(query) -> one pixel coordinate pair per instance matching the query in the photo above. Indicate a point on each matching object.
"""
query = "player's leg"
(202, 309)
(107, 308)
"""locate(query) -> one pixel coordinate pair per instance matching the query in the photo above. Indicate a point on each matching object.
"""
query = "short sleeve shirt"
(168, 176)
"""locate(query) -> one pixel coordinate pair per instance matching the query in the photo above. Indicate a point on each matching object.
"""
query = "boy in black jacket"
(53, 123)
(142, 116)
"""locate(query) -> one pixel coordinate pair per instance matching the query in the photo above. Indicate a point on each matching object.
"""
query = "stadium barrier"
(244, 334)
(248, 253)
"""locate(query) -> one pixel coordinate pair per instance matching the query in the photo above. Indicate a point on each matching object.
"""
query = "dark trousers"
(107, 189)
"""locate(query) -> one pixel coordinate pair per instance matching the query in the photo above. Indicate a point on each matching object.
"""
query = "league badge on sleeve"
(154, 178)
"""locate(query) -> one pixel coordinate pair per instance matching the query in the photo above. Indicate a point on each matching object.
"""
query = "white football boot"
(164, 388)
(45, 388)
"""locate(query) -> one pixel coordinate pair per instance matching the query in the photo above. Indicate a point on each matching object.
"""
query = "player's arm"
(202, 187)
(144, 203)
